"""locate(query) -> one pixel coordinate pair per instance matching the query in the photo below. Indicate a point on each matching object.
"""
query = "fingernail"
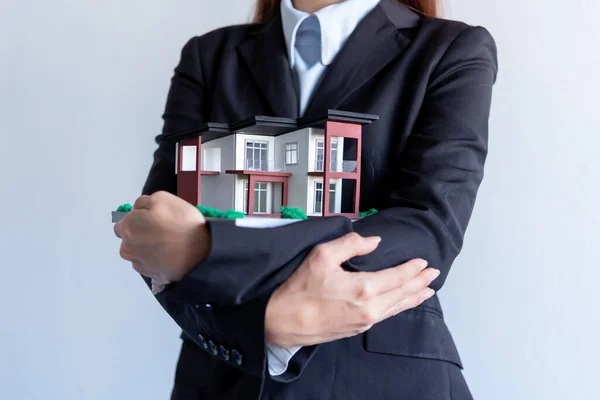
(424, 264)
(377, 239)
(430, 293)
(436, 273)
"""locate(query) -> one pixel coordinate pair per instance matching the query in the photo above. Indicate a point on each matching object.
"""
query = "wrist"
(198, 248)
(201, 244)
(271, 319)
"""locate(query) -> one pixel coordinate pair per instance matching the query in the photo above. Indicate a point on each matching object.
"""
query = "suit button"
(203, 306)
(213, 348)
(202, 342)
(224, 353)
(237, 357)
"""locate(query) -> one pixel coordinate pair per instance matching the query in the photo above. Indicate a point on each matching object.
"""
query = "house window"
(260, 197)
(318, 197)
(257, 155)
(211, 159)
(320, 157)
(332, 198)
(291, 153)
(189, 158)
(334, 156)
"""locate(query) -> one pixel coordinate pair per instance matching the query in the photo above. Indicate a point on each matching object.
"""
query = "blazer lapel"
(265, 54)
(374, 43)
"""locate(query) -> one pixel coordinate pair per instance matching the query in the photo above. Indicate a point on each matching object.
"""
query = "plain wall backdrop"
(82, 89)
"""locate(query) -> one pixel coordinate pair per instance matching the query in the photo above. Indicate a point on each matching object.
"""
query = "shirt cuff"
(279, 358)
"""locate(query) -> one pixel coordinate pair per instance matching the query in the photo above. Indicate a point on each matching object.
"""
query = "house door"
(262, 198)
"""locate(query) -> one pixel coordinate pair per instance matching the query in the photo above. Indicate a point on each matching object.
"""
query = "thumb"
(349, 246)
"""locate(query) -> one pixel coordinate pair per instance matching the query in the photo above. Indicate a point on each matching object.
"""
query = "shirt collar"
(338, 21)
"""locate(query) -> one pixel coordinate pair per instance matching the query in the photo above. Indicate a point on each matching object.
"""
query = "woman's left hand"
(164, 237)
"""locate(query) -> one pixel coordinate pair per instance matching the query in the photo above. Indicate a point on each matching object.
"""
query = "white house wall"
(310, 195)
(239, 192)
(240, 149)
(317, 135)
(217, 191)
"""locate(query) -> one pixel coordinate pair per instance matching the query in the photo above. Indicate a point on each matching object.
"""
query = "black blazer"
(430, 81)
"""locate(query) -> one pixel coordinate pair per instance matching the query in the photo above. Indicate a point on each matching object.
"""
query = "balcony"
(346, 166)
(258, 168)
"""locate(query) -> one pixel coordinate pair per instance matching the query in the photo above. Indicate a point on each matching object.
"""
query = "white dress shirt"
(335, 24)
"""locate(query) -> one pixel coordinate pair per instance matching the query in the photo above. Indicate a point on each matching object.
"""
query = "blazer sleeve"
(437, 176)
(185, 109)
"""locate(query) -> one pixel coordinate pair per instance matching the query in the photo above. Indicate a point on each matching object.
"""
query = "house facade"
(258, 165)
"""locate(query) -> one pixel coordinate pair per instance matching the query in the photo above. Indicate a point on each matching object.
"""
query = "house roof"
(263, 125)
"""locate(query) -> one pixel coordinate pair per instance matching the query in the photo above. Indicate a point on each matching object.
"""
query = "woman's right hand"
(321, 302)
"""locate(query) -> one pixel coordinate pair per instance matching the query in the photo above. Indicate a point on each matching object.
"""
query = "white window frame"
(189, 158)
(263, 164)
(332, 196)
(320, 148)
(291, 153)
(318, 203)
(211, 159)
(258, 189)
(333, 159)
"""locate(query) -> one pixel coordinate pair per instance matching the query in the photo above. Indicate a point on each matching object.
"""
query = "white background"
(82, 89)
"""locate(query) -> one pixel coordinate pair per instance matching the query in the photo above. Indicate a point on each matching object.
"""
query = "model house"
(257, 165)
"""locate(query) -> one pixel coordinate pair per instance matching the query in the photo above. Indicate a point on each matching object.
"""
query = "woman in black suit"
(262, 322)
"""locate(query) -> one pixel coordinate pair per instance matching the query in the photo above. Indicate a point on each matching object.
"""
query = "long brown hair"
(265, 9)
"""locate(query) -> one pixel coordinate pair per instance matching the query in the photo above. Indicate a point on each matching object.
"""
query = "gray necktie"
(308, 40)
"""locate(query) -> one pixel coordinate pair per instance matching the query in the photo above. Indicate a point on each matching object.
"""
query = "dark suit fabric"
(430, 81)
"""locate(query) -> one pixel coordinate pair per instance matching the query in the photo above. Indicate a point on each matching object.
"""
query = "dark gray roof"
(263, 125)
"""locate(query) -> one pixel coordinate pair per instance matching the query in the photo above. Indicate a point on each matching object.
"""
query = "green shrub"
(292, 213)
(124, 208)
(209, 212)
(365, 214)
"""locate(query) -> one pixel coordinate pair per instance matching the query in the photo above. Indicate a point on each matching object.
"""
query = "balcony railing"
(259, 165)
(346, 166)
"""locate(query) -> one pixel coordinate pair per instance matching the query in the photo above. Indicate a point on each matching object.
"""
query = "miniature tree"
(124, 208)
(368, 213)
(209, 212)
(292, 213)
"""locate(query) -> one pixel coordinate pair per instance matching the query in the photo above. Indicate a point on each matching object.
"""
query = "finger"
(379, 307)
(374, 283)
(118, 229)
(125, 252)
(416, 299)
(348, 246)
(419, 282)
(395, 300)
(157, 287)
(143, 202)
